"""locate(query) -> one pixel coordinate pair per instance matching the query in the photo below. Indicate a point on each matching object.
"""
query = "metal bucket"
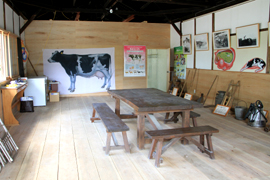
(240, 111)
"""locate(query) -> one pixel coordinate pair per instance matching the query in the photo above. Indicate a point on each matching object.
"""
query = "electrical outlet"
(194, 91)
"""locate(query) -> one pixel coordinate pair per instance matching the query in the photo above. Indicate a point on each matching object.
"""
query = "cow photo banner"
(134, 61)
(80, 71)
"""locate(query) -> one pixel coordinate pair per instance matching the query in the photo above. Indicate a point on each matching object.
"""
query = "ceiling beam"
(29, 21)
(176, 29)
(15, 9)
(189, 3)
(123, 12)
(129, 18)
(145, 5)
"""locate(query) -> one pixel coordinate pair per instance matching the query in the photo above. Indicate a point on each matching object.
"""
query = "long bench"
(176, 134)
(113, 124)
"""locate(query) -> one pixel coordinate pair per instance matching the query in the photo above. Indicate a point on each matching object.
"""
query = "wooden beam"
(268, 48)
(189, 3)
(15, 9)
(131, 17)
(77, 18)
(213, 49)
(145, 5)
(176, 29)
(29, 21)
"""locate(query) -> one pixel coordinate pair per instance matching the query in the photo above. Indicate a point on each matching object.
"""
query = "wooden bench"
(113, 124)
(176, 134)
(193, 116)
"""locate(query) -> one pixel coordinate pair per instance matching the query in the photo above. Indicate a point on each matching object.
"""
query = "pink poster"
(134, 61)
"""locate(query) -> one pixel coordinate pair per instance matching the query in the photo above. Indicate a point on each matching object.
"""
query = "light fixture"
(111, 10)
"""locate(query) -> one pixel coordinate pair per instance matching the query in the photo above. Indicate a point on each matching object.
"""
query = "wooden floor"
(59, 142)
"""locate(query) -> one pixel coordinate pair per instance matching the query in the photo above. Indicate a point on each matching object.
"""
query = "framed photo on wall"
(201, 42)
(248, 36)
(221, 39)
(186, 42)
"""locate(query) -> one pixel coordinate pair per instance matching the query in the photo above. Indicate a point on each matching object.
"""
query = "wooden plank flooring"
(60, 142)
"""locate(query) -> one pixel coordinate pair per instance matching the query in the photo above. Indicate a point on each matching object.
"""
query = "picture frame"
(201, 42)
(222, 39)
(175, 91)
(221, 110)
(248, 36)
(188, 96)
(186, 42)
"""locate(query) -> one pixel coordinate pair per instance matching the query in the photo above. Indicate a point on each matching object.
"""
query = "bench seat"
(176, 134)
(112, 124)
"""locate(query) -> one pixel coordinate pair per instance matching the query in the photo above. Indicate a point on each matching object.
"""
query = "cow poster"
(134, 61)
(80, 71)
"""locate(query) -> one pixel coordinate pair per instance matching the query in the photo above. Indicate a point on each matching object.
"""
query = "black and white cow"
(84, 65)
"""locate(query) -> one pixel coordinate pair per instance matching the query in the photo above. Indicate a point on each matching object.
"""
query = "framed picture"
(221, 39)
(186, 42)
(175, 91)
(188, 96)
(201, 42)
(248, 36)
(221, 110)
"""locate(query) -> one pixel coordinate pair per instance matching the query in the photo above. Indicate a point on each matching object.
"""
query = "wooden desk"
(11, 98)
(149, 100)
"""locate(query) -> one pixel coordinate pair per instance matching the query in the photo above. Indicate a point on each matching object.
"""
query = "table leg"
(185, 122)
(140, 130)
(117, 107)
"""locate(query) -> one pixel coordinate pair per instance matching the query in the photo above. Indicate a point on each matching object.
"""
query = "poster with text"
(180, 62)
(80, 71)
(134, 61)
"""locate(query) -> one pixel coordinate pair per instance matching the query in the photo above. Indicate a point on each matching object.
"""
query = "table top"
(153, 100)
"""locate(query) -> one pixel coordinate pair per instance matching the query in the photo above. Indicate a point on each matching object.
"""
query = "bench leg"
(114, 139)
(194, 122)
(152, 149)
(124, 134)
(210, 146)
(201, 141)
(108, 143)
(158, 152)
(93, 115)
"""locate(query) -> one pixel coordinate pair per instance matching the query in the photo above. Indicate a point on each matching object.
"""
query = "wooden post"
(140, 131)
(117, 107)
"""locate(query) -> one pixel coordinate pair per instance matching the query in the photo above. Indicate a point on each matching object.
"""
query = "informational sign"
(134, 61)
(221, 110)
(180, 62)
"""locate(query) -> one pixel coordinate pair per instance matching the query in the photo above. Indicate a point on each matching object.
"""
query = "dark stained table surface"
(153, 100)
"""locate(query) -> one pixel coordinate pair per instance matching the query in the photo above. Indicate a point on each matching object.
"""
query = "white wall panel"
(21, 24)
(245, 14)
(175, 42)
(188, 28)
(9, 18)
(204, 58)
(1, 15)
(16, 24)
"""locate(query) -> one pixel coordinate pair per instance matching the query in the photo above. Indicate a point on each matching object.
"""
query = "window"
(8, 55)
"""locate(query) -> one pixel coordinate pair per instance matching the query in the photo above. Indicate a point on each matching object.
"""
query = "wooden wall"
(253, 86)
(84, 34)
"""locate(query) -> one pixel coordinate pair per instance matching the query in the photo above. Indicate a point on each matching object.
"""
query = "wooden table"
(147, 101)
(11, 98)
